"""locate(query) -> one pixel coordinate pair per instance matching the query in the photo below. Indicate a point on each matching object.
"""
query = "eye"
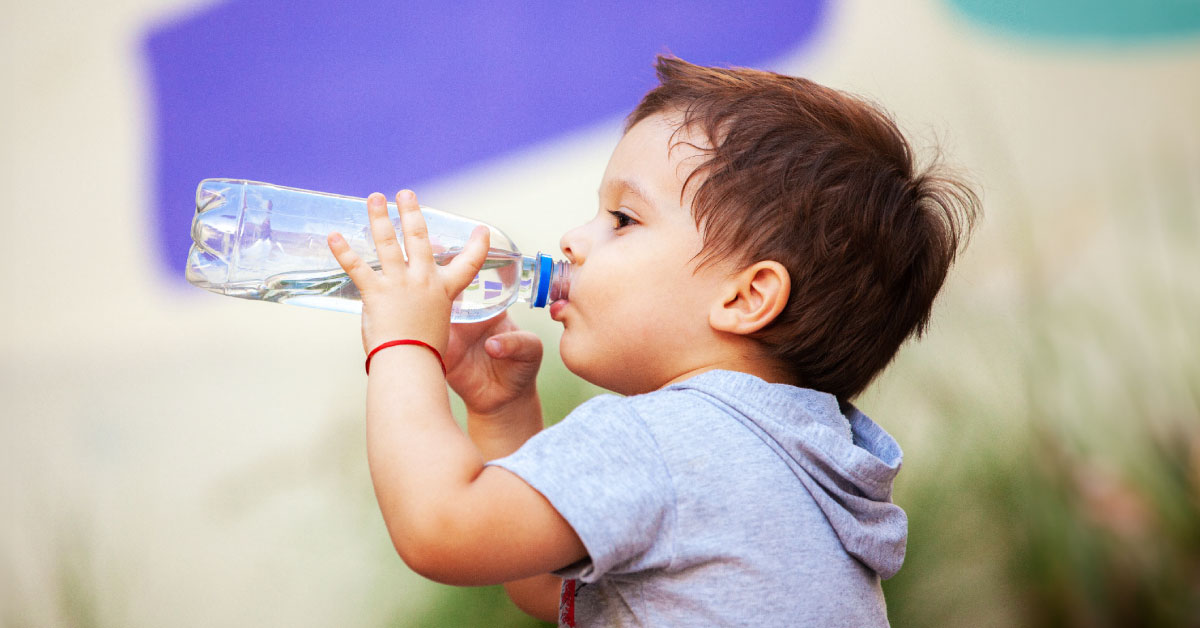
(623, 219)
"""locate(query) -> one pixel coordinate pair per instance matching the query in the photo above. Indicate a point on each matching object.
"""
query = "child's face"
(637, 318)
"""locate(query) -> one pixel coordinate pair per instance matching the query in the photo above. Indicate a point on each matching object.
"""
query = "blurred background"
(169, 457)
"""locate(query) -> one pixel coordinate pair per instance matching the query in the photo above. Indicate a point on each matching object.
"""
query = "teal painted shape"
(1115, 21)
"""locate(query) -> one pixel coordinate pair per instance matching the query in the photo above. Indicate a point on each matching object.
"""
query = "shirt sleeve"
(602, 470)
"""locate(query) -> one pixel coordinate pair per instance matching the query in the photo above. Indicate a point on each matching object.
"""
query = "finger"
(518, 346)
(466, 265)
(416, 233)
(391, 256)
(466, 335)
(359, 271)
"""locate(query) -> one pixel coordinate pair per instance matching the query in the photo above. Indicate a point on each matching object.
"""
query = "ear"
(751, 299)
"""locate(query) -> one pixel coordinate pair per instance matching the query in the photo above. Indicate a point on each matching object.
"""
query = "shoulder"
(606, 427)
(606, 412)
(649, 410)
(674, 423)
(665, 402)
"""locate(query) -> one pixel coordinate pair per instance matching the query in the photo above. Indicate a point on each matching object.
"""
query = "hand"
(492, 363)
(407, 299)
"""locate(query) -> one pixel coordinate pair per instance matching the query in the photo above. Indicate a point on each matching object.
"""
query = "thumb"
(518, 346)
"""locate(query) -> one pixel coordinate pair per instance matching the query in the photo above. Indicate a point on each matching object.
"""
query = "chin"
(594, 370)
(572, 359)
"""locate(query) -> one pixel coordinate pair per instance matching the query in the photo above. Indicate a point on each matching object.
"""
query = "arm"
(496, 435)
(450, 518)
(493, 366)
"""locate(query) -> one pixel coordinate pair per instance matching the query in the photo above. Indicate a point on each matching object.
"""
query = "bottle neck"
(543, 280)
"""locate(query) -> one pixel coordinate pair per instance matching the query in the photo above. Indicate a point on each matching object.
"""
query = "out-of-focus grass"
(1073, 497)
(484, 606)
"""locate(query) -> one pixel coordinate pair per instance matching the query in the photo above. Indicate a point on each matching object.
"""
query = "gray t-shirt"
(721, 501)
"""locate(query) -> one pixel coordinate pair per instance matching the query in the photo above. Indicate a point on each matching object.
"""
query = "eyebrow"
(630, 187)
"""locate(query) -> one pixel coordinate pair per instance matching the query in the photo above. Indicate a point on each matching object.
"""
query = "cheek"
(639, 298)
(627, 301)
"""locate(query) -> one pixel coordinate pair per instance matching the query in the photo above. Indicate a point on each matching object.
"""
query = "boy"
(762, 249)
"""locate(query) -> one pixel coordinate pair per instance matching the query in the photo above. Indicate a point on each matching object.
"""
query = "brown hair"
(824, 184)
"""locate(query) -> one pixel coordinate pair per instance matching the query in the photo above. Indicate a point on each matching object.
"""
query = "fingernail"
(493, 346)
(407, 195)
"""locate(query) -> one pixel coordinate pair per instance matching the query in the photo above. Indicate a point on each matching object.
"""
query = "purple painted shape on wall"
(363, 96)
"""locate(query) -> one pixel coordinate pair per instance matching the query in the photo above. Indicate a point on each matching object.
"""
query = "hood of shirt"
(845, 461)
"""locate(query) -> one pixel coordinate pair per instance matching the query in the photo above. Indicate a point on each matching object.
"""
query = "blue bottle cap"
(545, 263)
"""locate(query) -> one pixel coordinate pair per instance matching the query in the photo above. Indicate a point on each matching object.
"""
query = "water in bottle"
(267, 242)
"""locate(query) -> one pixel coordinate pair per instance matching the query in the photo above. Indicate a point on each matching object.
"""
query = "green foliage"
(1070, 494)
(456, 606)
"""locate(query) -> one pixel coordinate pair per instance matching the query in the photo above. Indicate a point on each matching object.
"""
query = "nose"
(573, 245)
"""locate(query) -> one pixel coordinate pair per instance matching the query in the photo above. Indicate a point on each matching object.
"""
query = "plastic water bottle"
(267, 242)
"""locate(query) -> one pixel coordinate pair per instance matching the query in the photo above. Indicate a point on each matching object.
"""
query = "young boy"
(762, 249)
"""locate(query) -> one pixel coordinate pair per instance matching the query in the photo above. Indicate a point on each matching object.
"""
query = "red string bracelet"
(393, 343)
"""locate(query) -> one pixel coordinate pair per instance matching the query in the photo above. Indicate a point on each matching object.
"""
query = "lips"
(556, 309)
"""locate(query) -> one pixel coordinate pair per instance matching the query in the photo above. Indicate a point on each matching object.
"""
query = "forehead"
(653, 160)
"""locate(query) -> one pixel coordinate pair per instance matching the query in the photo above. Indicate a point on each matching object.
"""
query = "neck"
(751, 362)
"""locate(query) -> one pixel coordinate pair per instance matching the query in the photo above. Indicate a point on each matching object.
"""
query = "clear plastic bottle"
(267, 242)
